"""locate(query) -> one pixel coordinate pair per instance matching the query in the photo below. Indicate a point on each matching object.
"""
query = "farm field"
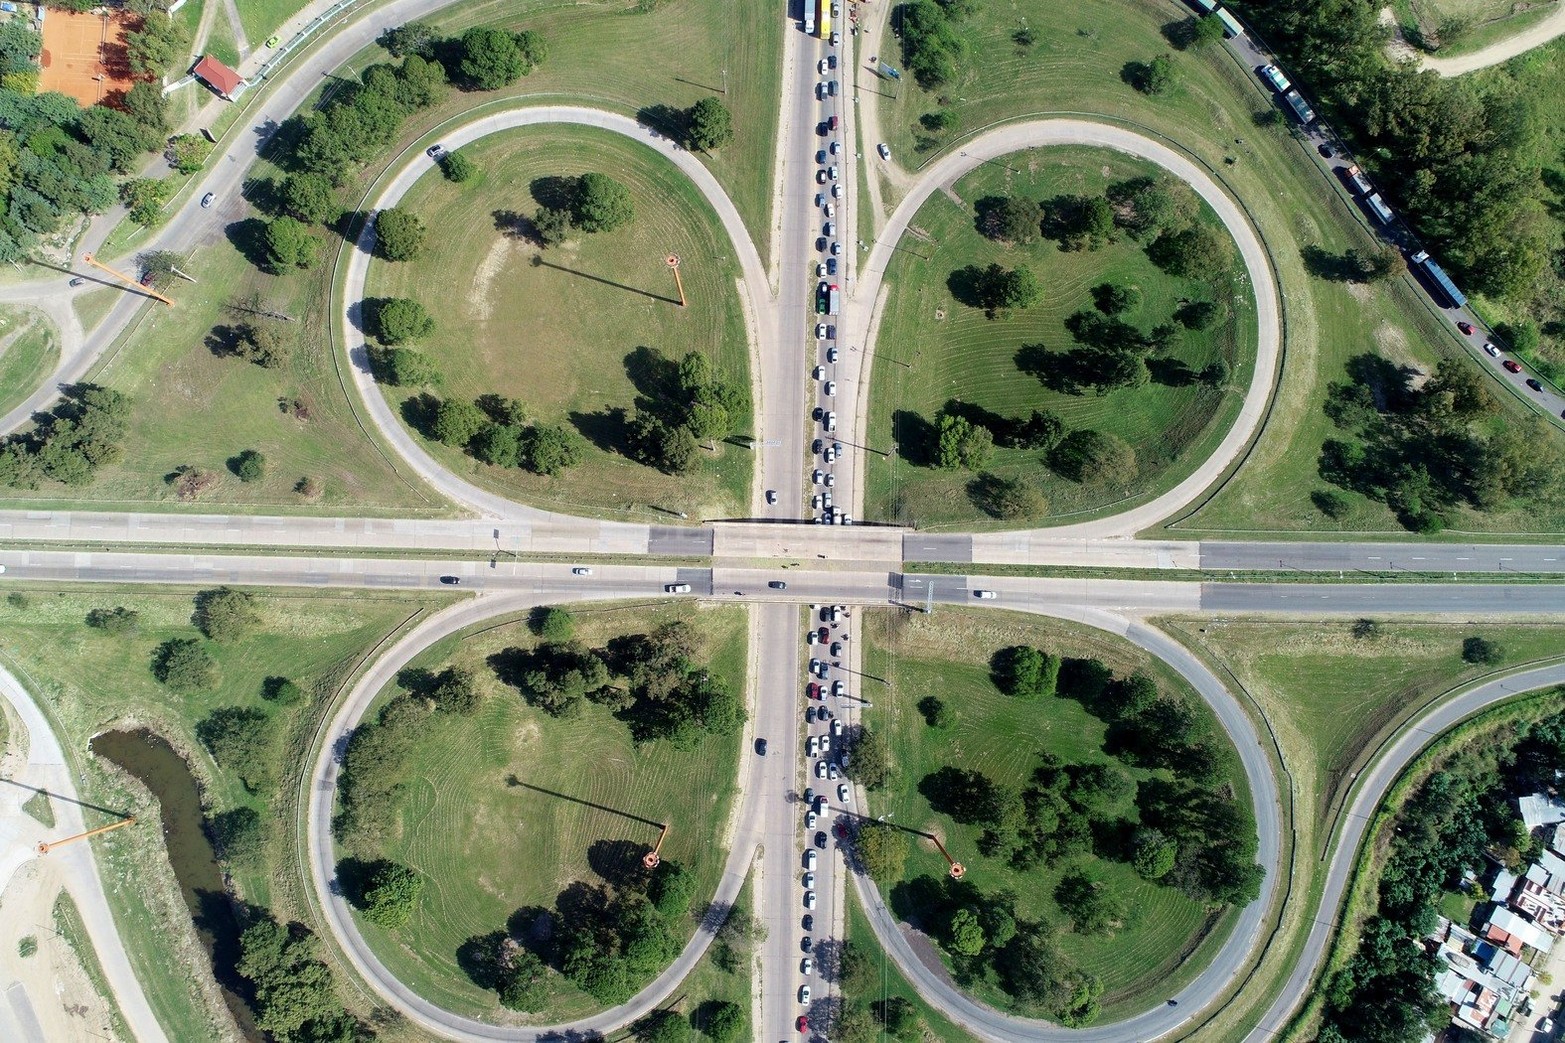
(29, 351)
(90, 680)
(933, 349)
(1213, 112)
(560, 328)
(504, 809)
(1171, 937)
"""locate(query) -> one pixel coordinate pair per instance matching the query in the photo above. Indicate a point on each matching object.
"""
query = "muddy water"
(163, 771)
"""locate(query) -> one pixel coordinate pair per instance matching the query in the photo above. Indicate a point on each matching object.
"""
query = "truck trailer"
(1300, 107)
(1454, 298)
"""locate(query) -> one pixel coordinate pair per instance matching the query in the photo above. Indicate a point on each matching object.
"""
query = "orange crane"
(45, 847)
(673, 264)
(652, 858)
(958, 870)
(127, 280)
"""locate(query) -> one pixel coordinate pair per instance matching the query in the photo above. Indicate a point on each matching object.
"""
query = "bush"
(1196, 252)
(249, 465)
(602, 204)
(553, 623)
(1154, 77)
(1480, 651)
(936, 713)
(288, 244)
(120, 620)
(225, 614)
(399, 320)
(390, 892)
(1025, 672)
(489, 59)
(240, 835)
(1094, 458)
(882, 850)
(309, 197)
(457, 421)
(244, 741)
(183, 664)
(457, 167)
(402, 367)
(711, 125)
(399, 234)
(282, 691)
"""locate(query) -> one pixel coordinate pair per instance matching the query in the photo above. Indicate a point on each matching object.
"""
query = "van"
(809, 861)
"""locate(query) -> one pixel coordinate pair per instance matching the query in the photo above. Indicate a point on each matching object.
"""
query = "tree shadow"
(607, 429)
(1179, 33)
(419, 411)
(982, 211)
(553, 191)
(1070, 372)
(249, 238)
(1136, 74)
(1390, 383)
(516, 225)
(618, 862)
(1171, 372)
(418, 680)
(223, 341)
(915, 437)
(667, 120)
(1001, 427)
(966, 285)
(656, 377)
(1329, 266)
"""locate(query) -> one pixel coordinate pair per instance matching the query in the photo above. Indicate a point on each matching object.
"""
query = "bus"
(823, 16)
(1454, 297)
(1231, 24)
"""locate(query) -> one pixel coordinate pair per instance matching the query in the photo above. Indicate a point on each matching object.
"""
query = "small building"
(225, 82)
(1538, 809)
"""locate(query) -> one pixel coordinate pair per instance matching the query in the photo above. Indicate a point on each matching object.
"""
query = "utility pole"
(651, 859)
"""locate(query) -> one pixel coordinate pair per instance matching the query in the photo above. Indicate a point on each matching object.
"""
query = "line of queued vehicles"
(823, 731)
(828, 296)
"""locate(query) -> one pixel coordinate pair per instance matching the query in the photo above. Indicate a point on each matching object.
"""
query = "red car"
(1511, 367)
(1465, 327)
(803, 1024)
(812, 690)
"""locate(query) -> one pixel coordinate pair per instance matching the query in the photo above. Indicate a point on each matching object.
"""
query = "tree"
(309, 197)
(1113, 299)
(1206, 31)
(240, 835)
(551, 224)
(399, 234)
(243, 741)
(1126, 698)
(492, 58)
(457, 421)
(1094, 458)
(1001, 289)
(118, 620)
(553, 623)
(549, 449)
(662, 1026)
(249, 465)
(1094, 907)
(1154, 77)
(152, 50)
(412, 38)
(498, 444)
(181, 663)
(292, 988)
(1195, 252)
(1197, 315)
(226, 614)
(964, 934)
(457, 167)
(871, 759)
(602, 204)
(931, 45)
(288, 244)
(882, 850)
(936, 713)
(145, 198)
(671, 889)
(1153, 854)
(187, 153)
(1025, 672)
(1014, 219)
(1481, 651)
(456, 691)
(389, 893)
(725, 1022)
(711, 125)
(400, 320)
(521, 981)
(1008, 498)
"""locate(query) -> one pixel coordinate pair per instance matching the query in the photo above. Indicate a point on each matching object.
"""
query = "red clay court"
(84, 54)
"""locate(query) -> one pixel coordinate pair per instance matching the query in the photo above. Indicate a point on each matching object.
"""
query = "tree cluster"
(680, 407)
(493, 428)
(293, 999)
(1423, 452)
(995, 288)
(592, 202)
(245, 741)
(83, 432)
(226, 614)
(386, 892)
(932, 46)
(184, 665)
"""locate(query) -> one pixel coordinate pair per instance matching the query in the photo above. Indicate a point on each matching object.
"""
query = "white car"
(676, 588)
(809, 881)
(825, 744)
(1493, 351)
(581, 570)
(836, 728)
(836, 248)
(810, 818)
(831, 421)
(842, 793)
(809, 860)
(836, 190)
(831, 172)
(820, 90)
(820, 331)
(819, 372)
(811, 745)
(884, 150)
(804, 990)
(831, 354)
(821, 66)
(817, 477)
(806, 966)
(832, 772)
(820, 269)
(831, 480)
(831, 389)
(820, 769)
(985, 595)
(831, 211)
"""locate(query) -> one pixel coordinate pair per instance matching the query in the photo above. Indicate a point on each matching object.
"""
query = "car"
(820, 157)
(271, 41)
(836, 190)
(820, 177)
(676, 588)
(817, 446)
(809, 635)
(820, 804)
(78, 281)
(831, 421)
(831, 61)
(803, 1024)
(807, 943)
(771, 496)
(1534, 384)
(451, 581)
(836, 447)
(820, 243)
(1493, 351)
(777, 584)
(809, 860)
(812, 744)
(581, 570)
(809, 881)
(830, 456)
(817, 476)
(818, 373)
(435, 151)
(820, 90)
(818, 667)
(818, 413)
(831, 172)
(820, 331)
(815, 505)
(825, 749)
(884, 150)
(809, 795)
(821, 66)
(820, 769)
(206, 200)
(842, 793)
(804, 990)
(1326, 151)
(835, 148)
(810, 818)
(820, 269)
(831, 480)
(836, 729)
(831, 125)
(836, 648)
(828, 228)
(812, 690)
(825, 635)
(839, 688)
(760, 747)
(831, 266)
(1511, 367)
(832, 613)
(1465, 327)
(820, 838)
(836, 248)
(806, 966)
(831, 354)
(830, 210)
(830, 389)
(831, 332)
(985, 595)
(808, 921)
(836, 38)
(832, 773)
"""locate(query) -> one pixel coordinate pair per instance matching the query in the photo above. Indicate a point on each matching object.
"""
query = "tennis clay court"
(84, 54)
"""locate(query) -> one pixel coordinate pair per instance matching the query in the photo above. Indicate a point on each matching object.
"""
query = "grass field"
(951, 350)
(1210, 113)
(1327, 730)
(1171, 937)
(29, 351)
(554, 327)
(191, 406)
(89, 681)
(709, 982)
(1470, 25)
(92, 306)
(262, 18)
(487, 847)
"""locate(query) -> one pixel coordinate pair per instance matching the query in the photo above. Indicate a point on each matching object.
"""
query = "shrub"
(399, 320)
(711, 125)
(602, 204)
(457, 421)
(882, 850)
(936, 713)
(1025, 672)
(1481, 651)
(390, 892)
(244, 741)
(457, 167)
(120, 620)
(225, 614)
(1094, 458)
(553, 623)
(288, 244)
(240, 835)
(399, 234)
(250, 465)
(183, 664)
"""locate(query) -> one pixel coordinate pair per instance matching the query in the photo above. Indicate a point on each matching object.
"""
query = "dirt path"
(240, 40)
(1500, 51)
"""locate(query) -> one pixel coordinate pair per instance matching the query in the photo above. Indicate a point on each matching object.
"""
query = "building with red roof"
(225, 81)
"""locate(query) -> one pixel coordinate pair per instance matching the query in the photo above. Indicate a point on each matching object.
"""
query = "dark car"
(1465, 327)
(820, 838)
(78, 281)
(1534, 384)
(817, 446)
(777, 584)
(809, 922)
(760, 747)
(1511, 367)
(807, 943)
(831, 124)
(453, 581)
(1326, 151)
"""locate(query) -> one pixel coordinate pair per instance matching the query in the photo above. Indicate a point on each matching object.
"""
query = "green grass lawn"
(554, 327)
(1074, 68)
(92, 306)
(1170, 937)
(262, 18)
(90, 681)
(488, 848)
(29, 351)
(1332, 698)
(710, 982)
(951, 350)
(860, 934)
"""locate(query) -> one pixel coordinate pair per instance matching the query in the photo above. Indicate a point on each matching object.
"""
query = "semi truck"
(1454, 298)
(1378, 207)
(1273, 75)
(1231, 26)
(1357, 179)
